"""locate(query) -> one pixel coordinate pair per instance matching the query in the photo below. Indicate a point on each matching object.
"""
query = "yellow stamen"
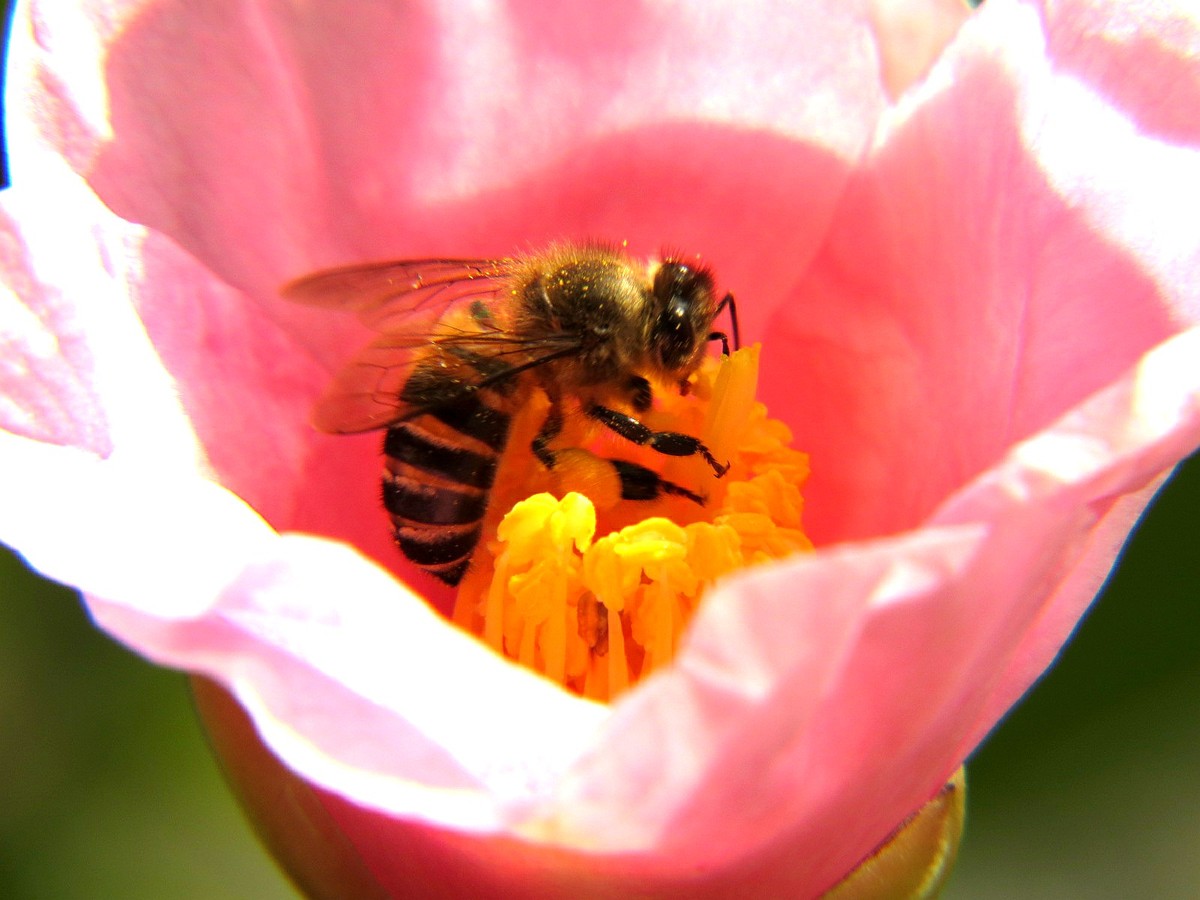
(598, 614)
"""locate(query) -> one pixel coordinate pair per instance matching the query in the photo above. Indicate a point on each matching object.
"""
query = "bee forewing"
(350, 287)
(419, 309)
(404, 300)
(398, 293)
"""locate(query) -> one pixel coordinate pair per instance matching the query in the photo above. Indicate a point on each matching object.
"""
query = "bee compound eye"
(673, 337)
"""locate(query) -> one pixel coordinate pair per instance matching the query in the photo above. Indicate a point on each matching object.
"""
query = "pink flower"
(979, 306)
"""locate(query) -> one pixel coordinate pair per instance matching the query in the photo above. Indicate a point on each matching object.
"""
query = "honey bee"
(462, 344)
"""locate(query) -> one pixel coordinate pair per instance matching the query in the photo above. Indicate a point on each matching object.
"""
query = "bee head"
(682, 314)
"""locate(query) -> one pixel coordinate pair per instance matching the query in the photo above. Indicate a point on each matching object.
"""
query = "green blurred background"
(1088, 790)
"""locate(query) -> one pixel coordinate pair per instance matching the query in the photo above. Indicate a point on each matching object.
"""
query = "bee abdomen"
(475, 419)
(430, 504)
(434, 547)
(439, 471)
(420, 448)
(440, 551)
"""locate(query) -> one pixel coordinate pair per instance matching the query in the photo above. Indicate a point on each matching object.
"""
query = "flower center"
(597, 614)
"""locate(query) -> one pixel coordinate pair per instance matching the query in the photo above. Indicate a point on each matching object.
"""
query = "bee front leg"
(669, 443)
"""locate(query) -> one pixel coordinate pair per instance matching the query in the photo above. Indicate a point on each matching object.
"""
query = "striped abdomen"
(438, 472)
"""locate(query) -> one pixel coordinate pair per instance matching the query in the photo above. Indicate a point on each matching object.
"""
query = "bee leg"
(669, 443)
(640, 483)
(637, 482)
(729, 303)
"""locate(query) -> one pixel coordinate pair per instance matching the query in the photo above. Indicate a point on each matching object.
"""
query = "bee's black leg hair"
(733, 321)
(670, 443)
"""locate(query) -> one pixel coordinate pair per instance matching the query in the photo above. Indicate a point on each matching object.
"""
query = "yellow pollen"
(596, 614)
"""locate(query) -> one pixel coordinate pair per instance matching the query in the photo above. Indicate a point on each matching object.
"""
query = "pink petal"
(46, 360)
(394, 133)
(79, 373)
(1010, 246)
(1140, 57)
(128, 526)
(334, 663)
(911, 35)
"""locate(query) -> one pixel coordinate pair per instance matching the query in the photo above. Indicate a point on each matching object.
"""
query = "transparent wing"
(382, 385)
(444, 308)
(403, 294)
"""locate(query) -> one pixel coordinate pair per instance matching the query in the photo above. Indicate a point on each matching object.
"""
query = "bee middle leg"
(637, 482)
